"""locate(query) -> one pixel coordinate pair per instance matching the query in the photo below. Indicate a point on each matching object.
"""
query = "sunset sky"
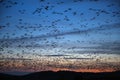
(75, 35)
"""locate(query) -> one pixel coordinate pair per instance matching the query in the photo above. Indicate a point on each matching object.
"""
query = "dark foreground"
(63, 75)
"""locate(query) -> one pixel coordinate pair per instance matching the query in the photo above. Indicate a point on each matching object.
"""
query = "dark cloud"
(15, 59)
(100, 28)
(55, 55)
(79, 58)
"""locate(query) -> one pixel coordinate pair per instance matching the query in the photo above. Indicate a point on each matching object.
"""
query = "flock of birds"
(27, 41)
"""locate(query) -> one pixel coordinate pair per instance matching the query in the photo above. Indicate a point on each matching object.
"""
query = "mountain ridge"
(63, 75)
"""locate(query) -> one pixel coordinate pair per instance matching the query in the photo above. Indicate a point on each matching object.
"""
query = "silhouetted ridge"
(64, 75)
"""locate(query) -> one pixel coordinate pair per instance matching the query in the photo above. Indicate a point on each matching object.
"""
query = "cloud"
(90, 30)
(55, 55)
(14, 59)
(27, 41)
(79, 58)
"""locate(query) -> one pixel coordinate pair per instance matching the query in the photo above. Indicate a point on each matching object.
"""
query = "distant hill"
(63, 75)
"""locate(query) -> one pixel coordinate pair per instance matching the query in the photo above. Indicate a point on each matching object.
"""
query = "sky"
(75, 35)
